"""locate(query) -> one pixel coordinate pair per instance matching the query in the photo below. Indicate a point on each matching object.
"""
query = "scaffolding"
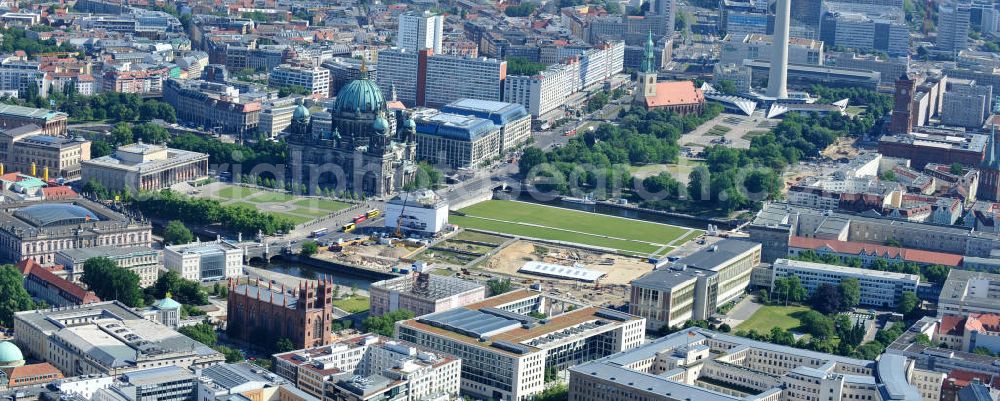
(428, 286)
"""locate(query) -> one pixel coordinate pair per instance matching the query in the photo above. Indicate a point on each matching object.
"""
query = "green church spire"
(647, 65)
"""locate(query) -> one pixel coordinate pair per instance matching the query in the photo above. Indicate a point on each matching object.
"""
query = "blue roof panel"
(500, 113)
(454, 126)
(469, 322)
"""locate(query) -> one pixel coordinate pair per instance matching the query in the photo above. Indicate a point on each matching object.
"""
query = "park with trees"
(599, 159)
(205, 333)
(109, 281)
(16, 298)
(731, 179)
(171, 205)
(824, 320)
(386, 324)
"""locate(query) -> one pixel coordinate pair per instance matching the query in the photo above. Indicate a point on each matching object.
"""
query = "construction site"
(421, 292)
(576, 273)
(572, 255)
(381, 254)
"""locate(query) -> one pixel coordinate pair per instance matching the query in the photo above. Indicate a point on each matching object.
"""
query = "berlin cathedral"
(362, 147)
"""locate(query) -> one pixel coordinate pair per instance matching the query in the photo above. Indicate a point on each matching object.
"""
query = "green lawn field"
(272, 197)
(310, 212)
(355, 304)
(552, 234)
(769, 316)
(293, 217)
(663, 252)
(552, 223)
(235, 192)
(323, 204)
(247, 204)
(297, 208)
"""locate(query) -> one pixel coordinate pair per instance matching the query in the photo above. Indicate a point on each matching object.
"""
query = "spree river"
(279, 265)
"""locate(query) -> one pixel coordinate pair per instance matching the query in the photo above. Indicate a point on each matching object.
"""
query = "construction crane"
(399, 221)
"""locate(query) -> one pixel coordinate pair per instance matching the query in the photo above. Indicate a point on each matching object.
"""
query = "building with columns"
(145, 167)
(51, 122)
(204, 261)
(28, 148)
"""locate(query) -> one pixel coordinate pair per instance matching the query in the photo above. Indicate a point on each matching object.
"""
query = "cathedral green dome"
(300, 113)
(10, 354)
(380, 124)
(359, 95)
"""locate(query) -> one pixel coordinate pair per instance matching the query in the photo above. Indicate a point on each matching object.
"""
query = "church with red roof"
(680, 97)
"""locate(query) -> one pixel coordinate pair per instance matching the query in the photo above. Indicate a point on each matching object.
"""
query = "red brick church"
(262, 314)
(680, 97)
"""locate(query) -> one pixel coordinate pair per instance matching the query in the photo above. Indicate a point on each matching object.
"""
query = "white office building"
(397, 72)
(694, 286)
(549, 89)
(878, 288)
(427, 79)
(760, 47)
(417, 211)
(200, 261)
(544, 92)
(276, 115)
(953, 27)
(866, 28)
(513, 120)
(316, 80)
(419, 31)
(966, 292)
(370, 368)
(17, 75)
(450, 78)
(505, 353)
(967, 105)
(458, 140)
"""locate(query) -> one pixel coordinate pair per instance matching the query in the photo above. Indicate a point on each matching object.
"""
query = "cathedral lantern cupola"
(410, 130)
(380, 141)
(300, 120)
(380, 125)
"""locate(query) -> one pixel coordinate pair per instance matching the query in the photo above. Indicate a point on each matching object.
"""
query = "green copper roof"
(991, 159)
(300, 113)
(9, 353)
(167, 303)
(648, 57)
(380, 124)
(359, 96)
